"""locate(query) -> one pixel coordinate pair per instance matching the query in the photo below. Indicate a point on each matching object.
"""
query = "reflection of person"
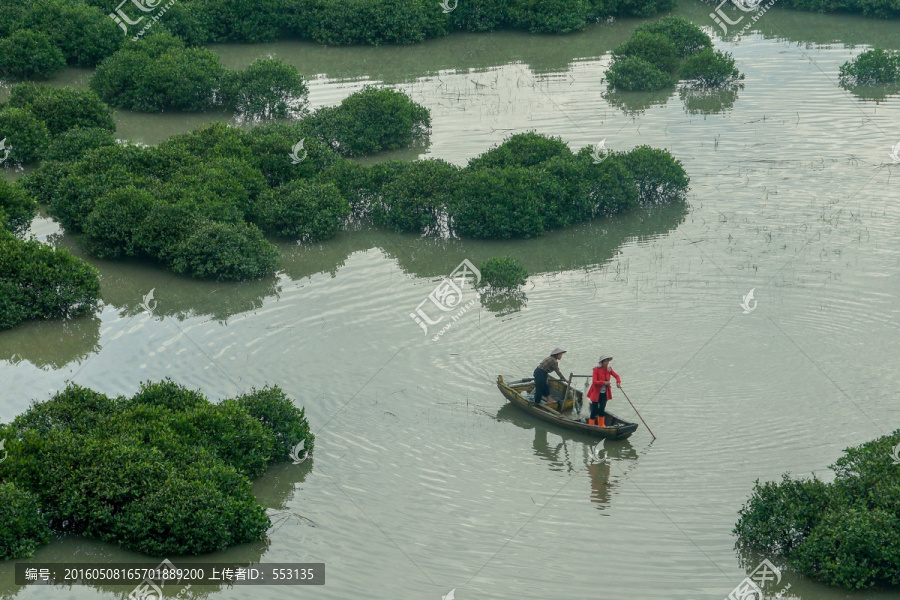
(551, 363)
(601, 390)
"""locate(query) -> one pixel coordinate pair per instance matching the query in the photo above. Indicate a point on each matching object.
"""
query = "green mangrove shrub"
(225, 251)
(17, 208)
(62, 109)
(303, 210)
(871, 67)
(286, 151)
(85, 34)
(30, 54)
(159, 73)
(502, 273)
(371, 120)
(24, 135)
(372, 22)
(162, 472)
(659, 54)
(23, 528)
(659, 176)
(414, 198)
(880, 9)
(268, 88)
(634, 74)
(41, 282)
(845, 533)
(498, 203)
(521, 150)
(710, 68)
(74, 143)
(549, 16)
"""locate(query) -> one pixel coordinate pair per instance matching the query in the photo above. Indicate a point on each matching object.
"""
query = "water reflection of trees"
(634, 103)
(51, 344)
(707, 100)
(573, 453)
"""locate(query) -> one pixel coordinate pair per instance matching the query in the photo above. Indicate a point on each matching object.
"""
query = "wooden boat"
(515, 392)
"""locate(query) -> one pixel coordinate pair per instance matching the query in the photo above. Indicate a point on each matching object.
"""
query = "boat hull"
(514, 392)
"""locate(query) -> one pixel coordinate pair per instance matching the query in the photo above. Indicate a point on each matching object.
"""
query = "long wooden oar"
(638, 414)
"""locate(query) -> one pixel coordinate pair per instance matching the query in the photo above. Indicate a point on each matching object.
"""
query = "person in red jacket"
(600, 391)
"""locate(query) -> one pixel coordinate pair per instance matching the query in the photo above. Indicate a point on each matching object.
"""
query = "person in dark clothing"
(541, 386)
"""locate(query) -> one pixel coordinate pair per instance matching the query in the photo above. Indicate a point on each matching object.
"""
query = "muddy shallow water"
(422, 481)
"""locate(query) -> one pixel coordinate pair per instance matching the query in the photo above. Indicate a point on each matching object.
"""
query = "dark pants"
(598, 409)
(541, 387)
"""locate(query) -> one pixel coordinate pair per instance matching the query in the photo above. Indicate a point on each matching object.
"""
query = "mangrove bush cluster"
(38, 281)
(201, 201)
(37, 120)
(844, 533)
(871, 67)
(882, 9)
(162, 472)
(40, 37)
(159, 73)
(659, 54)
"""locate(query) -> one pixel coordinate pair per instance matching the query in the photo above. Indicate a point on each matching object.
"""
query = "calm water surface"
(422, 480)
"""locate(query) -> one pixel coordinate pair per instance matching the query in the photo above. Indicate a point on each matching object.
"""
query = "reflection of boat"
(516, 391)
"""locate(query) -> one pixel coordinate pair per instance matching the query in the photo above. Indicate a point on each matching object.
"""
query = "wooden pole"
(638, 414)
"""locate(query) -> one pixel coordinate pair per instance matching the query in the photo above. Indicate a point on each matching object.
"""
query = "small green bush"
(687, 38)
(40, 282)
(30, 54)
(17, 208)
(62, 109)
(113, 221)
(416, 197)
(268, 88)
(371, 120)
(611, 187)
(710, 68)
(498, 203)
(871, 67)
(635, 74)
(660, 177)
(26, 136)
(226, 252)
(522, 150)
(549, 16)
(503, 273)
(75, 143)
(654, 48)
(373, 22)
(303, 210)
(250, 21)
(272, 146)
(479, 15)
(158, 73)
(22, 527)
(85, 34)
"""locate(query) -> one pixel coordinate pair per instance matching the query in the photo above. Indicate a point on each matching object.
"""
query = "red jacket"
(601, 376)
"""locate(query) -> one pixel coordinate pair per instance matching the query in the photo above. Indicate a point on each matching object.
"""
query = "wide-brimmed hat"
(605, 357)
(558, 351)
